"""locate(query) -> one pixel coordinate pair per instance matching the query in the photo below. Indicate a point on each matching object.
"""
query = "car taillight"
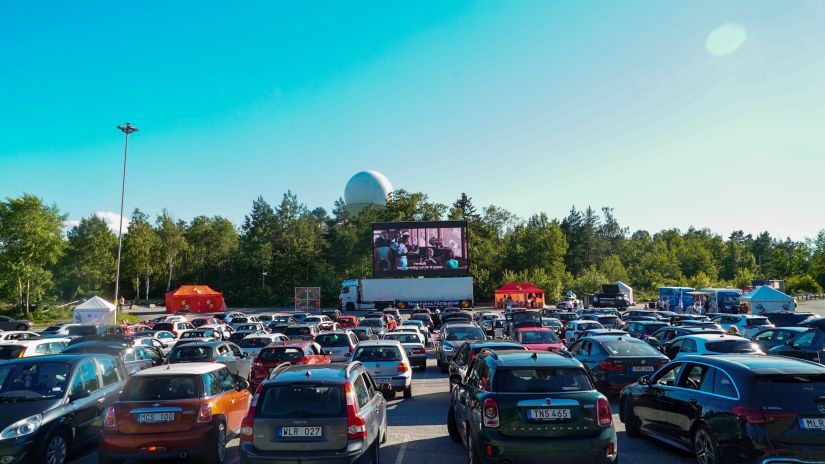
(257, 363)
(22, 352)
(402, 367)
(604, 412)
(490, 413)
(756, 416)
(356, 426)
(351, 348)
(610, 366)
(205, 413)
(109, 420)
(302, 360)
(248, 423)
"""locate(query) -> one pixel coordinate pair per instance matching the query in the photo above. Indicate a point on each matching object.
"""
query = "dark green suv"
(530, 406)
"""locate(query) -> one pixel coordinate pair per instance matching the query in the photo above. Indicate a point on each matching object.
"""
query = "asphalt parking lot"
(418, 431)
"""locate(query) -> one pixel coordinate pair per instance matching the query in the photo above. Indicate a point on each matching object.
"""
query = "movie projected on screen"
(436, 248)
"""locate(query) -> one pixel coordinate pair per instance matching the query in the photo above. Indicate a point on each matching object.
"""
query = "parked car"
(700, 324)
(452, 337)
(57, 331)
(133, 358)
(608, 321)
(338, 344)
(642, 313)
(105, 338)
(425, 318)
(155, 343)
(20, 325)
(293, 352)
(807, 345)
(703, 344)
(616, 360)
(420, 325)
(644, 329)
(29, 348)
(788, 319)
(222, 331)
(377, 325)
(54, 404)
(575, 328)
(199, 321)
(388, 365)
(302, 332)
(253, 344)
(746, 323)
(199, 334)
(602, 332)
(364, 333)
(181, 411)
(322, 413)
(18, 335)
(566, 317)
(538, 338)
(659, 338)
(413, 330)
(468, 352)
(413, 345)
(251, 327)
(134, 329)
(175, 327)
(240, 335)
(530, 406)
(732, 408)
(323, 322)
(677, 319)
(553, 324)
(347, 322)
(162, 335)
(775, 336)
(226, 353)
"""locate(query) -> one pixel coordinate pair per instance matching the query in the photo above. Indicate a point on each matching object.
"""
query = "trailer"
(434, 292)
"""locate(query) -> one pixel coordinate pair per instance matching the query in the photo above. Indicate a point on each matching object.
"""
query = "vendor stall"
(196, 299)
(519, 295)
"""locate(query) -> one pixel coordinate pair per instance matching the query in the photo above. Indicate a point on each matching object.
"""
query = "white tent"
(626, 289)
(764, 299)
(95, 310)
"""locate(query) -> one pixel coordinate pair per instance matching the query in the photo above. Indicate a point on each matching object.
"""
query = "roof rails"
(351, 366)
(278, 369)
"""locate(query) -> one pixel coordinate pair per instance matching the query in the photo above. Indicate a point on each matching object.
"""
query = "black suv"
(468, 352)
(52, 404)
(530, 406)
(332, 413)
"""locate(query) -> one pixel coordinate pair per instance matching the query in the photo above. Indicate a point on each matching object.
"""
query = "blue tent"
(765, 299)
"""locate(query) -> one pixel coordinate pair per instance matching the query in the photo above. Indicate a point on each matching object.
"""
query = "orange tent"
(522, 294)
(195, 298)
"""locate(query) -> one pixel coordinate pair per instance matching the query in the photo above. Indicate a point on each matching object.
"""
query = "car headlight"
(22, 428)
(447, 347)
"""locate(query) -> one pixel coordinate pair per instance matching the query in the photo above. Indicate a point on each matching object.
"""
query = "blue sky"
(674, 113)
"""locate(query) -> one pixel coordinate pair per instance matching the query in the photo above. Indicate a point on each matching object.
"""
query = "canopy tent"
(524, 294)
(765, 299)
(195, 298)
(626, 289)
(95, 310)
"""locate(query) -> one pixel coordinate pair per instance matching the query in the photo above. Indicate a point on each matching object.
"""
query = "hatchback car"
(364, 333)
(185, 410)
(529, 406)
(18, 335)
(538, 338)
(347, 322)
(323, 413)
(411, 341)
(807, 345)
(226, 353)
(175, 327)
(253, 344)
(468, 352)
(775, 336)
(29, 348)
(53, 404)
(8, 323)
(57, 330)
(339, 344)
(302, 332)
(388, 365)
(746, 323)
(133, 358)
(452, 337)
(644, 329)
(616, 361)
(293, 352)
(575, 328)
(732, 408)
(702, 344)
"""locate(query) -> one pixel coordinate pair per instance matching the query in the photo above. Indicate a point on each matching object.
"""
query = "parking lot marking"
(400, 458)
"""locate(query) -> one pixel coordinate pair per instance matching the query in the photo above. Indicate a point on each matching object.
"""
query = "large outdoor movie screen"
(437, 248)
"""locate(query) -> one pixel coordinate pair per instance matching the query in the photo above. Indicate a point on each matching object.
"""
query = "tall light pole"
(127, 129)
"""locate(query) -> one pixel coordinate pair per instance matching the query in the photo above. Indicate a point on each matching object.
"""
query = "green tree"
(802, 284)
(463, 209)
(88, 267)
(172, 240)
(140, 259)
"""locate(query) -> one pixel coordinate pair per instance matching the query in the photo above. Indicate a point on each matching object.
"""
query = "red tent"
(523, 294)
(195, 298)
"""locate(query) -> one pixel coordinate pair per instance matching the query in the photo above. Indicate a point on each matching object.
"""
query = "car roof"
(180, 368)
(56, 358)
(761, 364)
(533, 329)
(462, 324)
(531, 358)
(712, 337)
(329, 373)
(292, 344)
(493, 344)
(613, 338)
(379, 343)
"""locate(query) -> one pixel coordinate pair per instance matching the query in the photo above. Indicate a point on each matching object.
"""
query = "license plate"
(548, 414)
(287, 432)
(641, 369)
(812, 423)
(380, 381)
(156, 417)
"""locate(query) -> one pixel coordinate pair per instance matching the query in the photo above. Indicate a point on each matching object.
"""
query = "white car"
(222, 329)
(704, 344)
(57, 331)
(388, 365)
(28, 348)
(163, 335)
(14, 335)
(163, 346)
(410, 329)
(253, 344)
(747, 324)
(574, 328)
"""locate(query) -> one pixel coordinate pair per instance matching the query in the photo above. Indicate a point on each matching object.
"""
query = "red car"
(133, 330)
(538, 338)
(278, 353)
(347, 321)
(390, 321)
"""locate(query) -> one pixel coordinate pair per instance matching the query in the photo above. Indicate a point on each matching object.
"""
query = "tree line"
(284, 245)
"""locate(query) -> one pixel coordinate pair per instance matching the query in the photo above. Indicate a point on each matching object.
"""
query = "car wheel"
(704, 447)
(408, 392)
(56, 448)
(452, 427)
(218, 444)
(472, 453)
(631, 422)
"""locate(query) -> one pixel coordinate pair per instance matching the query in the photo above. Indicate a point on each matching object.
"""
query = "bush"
(802, 284)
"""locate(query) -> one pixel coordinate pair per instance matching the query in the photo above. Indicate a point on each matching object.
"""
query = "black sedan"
(808, 345)
(616, 361)
(732, 408)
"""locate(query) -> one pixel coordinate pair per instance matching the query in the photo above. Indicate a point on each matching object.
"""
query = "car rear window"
(191, 353)
(239, 320)
(589, 326)
(377, 354)
(464, 333)
(730, 346)
(83, 330)
(11, 351)
(629, 348)
(541, 379)
(332, 340)
(799, 388)
(161, 388)
(757, 321)
(254, 342)
(539, 337)
(650, 328)
(163, 326)
(297, 331)
(301, 401)
(281, 354)
(403, 338)
(372, 322)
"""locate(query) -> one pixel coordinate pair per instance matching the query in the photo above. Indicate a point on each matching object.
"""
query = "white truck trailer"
(432, 292)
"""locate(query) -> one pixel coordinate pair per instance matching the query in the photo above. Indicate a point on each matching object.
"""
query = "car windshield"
(82, 330)
(332, 340)
(297, 331)
(11, 351)
(195, 334)
(730, 346)
(420, 317)
(589, 326)
(415, 323)
(54, 328)
(191, 353)
(283, 354)
(539, 337)
(464, 333)
(629, 348)
(248, 327)
(161, 388)
(33, 381)
(377, 354)
(541, 379)
(650, 328)
(756, 321)
(301, 401)
(403, 338)
(607, 319)
(254, 342)
(372, 322)
(283, 318)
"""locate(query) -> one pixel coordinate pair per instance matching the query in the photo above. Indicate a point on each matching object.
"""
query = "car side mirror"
(241, 385)
(644, 380)
(455, 379)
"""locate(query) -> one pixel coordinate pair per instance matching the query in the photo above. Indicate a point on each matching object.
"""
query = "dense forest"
(280, 246)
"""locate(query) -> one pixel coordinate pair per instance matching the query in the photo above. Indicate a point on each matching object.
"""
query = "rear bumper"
(353, 451)
(542, 450)
(418, 360)
(193, 442)
(397, 383)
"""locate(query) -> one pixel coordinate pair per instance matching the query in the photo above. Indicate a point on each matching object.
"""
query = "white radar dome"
(366, 188)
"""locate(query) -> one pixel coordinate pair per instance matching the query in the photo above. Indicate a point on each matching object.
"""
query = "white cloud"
(111, 219)
(726, 39)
